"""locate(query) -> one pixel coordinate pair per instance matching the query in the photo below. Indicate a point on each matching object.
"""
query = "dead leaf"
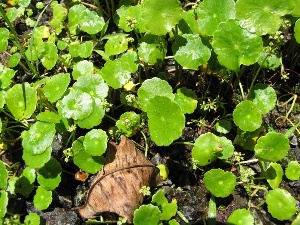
(116, 188)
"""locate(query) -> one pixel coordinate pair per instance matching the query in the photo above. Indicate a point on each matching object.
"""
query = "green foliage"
(95, 142)
(129, 123)
(116, 44)
(152, 212)
(168, 210)
(219, 182)
(281, 204)
(49, 175)
(25, 183)
(32, 219)
(42, 198)
(186, 99)
(56, 86)
(241, 217)
(274, 174)
(3, 203)
(3, 177)
(223, 126)
(297, 31)
(292, 171)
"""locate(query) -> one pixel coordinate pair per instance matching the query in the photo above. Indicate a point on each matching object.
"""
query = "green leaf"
(292, 171)
(82, 68)
(86, 162)
(118, 72)
(74, 48)
(24, 3)
(95, 142)
(281, 204)
(241, 217)
(129, 123)
(77, 105)
(227, 147)
(42, 198)
(223, 126)
(274, 175)
(235, 46)
(6, 75)
(264, 97)
(152, 49)
(49, 117)
(116, 44)
(168, 210)
(14, 60)
(206, 149)
(159, 198)
(21, 100)
(190, 52)
(247, 116)
(93, 84)
(32, 219)
(56, 86)
(4, 176)
(186, 99)
(272, 147)
(3, 203)
(247, 140)
(59, 15)
(49, 176)
(37, 161)
(261, 16)
(188, 24)
(152, 212)
(129, 18)
(160, 17)
(165, 120)
(38, 138)
(24, 185)
(95, 117)
(151, 88)
(50, 56)
(212, 13)
(297, 31)
(219, 182)
(85, 49)
(4, 33)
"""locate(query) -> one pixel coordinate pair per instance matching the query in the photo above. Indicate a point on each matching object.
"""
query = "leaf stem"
(146, 143)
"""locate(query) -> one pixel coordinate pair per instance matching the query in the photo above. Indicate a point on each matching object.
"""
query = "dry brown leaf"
(116, 188)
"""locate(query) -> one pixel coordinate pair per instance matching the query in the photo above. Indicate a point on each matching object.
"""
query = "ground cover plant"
(207, 89)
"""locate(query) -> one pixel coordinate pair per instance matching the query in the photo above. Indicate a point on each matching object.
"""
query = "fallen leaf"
(116, 187)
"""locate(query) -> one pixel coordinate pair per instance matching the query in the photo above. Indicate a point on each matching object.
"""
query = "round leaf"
(219, 182)
(227, 148)
(37, 161)
(186, 99)
(190, 52)
(129, 123)
(152, 49)
(241, 217)
(165, 120)
(6, 75)
(159, 17)
(14, 60)
(264, 97)
(116, 44)
(32, 219)
(95, 142)
(3, 203)
(49, 175)
(262, 17)
(272, 147)
(21, 100)
(82, 68)
(38, 138)
(151, 88)
(85, 49)
(212, 13)
(56, 86)
(292, 172)
(247, 116)
(223, 126)
(3, 177)
(42, 198)
(206, 149)
(274, 175)
(77, 105)
(128, 17)
(235, 46)
(50, 56)
(152, 212)
(49, 117)
(281, 204)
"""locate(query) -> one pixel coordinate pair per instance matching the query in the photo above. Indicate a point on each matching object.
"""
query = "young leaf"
(82, 68)
(3, 203)
(37, 161)
(32, 219)
(42, 198)
(3, 177)
(168, 210)
(274, 175)
(219, 182)
(21, 100)
(38, 138)
(56, 86)
(206, 149)
(129, 18)
(59, 15)
(95, 142)
(292, 171)
(241, 217)
(272, 147)
(235, 45)
(190, 52)
(6, 75)
(264, 97)
(262, 17)
(49, 175)
(165, 120)
(151, 88)
(152, 49)
(129, 123)
(159, 17)
(50, 56)
(186, 99)
(153, 215)
(281, 204)
(212, 13)
(77, 105)
(247, 116)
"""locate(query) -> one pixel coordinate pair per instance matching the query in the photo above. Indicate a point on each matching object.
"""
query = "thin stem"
(113, 119)
(146, 144)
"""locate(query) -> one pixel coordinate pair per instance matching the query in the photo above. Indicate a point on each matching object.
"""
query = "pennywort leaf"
(3, 203)
(152, 211)
(95, 142)
(3, 177)
(274, 174)
(37, 161)
(82, 68)
(292, 171)
(49, 175)
(56, 86)
(42, 198)
(241, 217)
